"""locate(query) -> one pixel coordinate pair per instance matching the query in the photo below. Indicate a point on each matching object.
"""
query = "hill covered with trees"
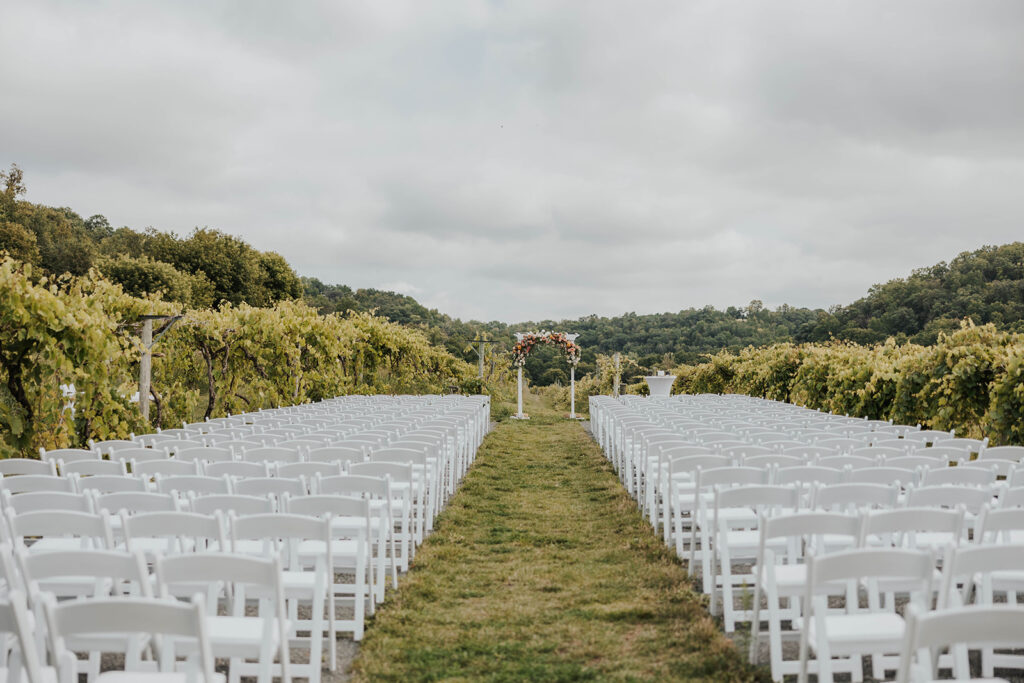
(207, 268)
(986, 285)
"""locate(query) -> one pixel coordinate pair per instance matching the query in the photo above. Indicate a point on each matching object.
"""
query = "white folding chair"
(854, 497)
(83, 574)
(59, 530)
(10, 467)
(402, 480)
(394, 506)
(68, 454)
(352, 527)
(101, 483)
(164, 626)
(304, 545)
(240, 636)
(735, 538)
(33, 483)
(959, 476)
(1004, 453)
(307, 470)
(1002, 525)
(985, 571)
(341, 454)
(424, 466)
(945, 455)
(702, 521)
(781, 575)
(206, 454)
(678, 494)
(173, 533)
(168, 467)
(86, 468)
(852, 462)
(193, 485)
(16, 627)
(140, 454)
(927, 633)
(271, 454)
(876, 631)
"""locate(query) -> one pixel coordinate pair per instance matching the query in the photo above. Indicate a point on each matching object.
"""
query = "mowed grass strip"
(541, 568)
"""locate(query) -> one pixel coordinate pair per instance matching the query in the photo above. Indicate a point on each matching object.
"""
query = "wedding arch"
(527, 341)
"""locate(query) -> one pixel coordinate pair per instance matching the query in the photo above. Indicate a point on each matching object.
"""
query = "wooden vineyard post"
(146, 362)
(146, 366)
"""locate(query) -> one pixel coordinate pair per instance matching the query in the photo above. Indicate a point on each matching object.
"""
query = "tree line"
(207, 269)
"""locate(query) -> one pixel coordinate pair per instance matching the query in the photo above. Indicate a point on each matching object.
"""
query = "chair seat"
(378, 524)
(301, 583)
(146, 676)
(734, 516)
(339, 548)
(239, 636)
(860, 633)
(49, 675)
(62, 544)
(789, 578)
(165, 546)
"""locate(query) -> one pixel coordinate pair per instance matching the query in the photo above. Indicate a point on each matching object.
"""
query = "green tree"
(141, 276)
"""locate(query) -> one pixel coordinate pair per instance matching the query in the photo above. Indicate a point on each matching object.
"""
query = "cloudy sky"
(521, 160)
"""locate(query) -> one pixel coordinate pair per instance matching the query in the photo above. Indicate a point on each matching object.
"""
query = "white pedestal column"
(572, 392)
(519, 413)
(660, 385)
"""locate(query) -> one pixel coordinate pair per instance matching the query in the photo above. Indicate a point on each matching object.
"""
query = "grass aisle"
(542, 569)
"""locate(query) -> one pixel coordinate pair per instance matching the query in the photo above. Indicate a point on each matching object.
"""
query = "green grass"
(541, 568)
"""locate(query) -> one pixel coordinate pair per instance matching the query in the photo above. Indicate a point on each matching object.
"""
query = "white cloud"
(536, 160)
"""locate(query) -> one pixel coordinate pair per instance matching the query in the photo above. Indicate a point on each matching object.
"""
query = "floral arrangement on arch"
(528, 341)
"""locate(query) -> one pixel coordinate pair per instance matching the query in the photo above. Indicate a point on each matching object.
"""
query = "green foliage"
(969, 380)
(53, 334)
(986, 285)
(237, 272)
(141, 276)
(18, 242)
(85, 331)
(211, 267)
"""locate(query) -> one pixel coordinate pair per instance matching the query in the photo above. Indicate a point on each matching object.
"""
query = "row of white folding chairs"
(732, 528)
(414, 494)
(165, 475)
(635, 478)
(443, 473)
(392, 482)
(837, 497)
(782, 573)
(211, 556)
(661, 455)
(440, 475)
(668, 458)
(870, 428)
(202, 434)
(837, 470)
(354, 532)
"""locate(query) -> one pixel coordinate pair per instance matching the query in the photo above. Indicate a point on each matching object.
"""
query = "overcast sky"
(528, 160)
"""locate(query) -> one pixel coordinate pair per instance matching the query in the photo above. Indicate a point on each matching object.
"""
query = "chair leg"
(775, 636)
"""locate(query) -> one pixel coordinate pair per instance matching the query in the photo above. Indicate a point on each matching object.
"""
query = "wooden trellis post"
(146, 364)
